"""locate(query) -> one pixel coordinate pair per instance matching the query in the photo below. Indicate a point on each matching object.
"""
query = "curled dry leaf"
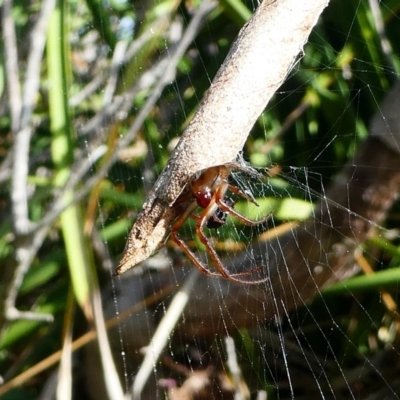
(259, 61)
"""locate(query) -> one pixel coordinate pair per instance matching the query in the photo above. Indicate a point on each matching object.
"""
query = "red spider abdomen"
(203, 198)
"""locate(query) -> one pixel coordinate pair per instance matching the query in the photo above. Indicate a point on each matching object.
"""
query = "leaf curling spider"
(208, 191)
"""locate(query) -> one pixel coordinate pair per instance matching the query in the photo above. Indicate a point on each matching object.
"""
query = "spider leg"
(192, 257)
(201, 223)
(245, 168)
(181, 243)
(244, 220)
(240, 193)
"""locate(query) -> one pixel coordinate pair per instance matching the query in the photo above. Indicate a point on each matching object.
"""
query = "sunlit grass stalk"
(62, 154)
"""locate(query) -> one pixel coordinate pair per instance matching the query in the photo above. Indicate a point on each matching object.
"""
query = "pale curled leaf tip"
(148, 233)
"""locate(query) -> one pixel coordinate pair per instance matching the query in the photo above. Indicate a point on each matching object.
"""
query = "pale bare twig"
(110, 374)
(163, 333)
(241, 390)
(11, 63)
(119, 107)
(121, 104)
(26, 248)
(95, 84)
(26, 251)
(116, 64)
(63, 388)
(132, 50)
(19, 195)
(32, 76)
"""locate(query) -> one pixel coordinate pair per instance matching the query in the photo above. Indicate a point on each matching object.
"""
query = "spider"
(208, 192)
